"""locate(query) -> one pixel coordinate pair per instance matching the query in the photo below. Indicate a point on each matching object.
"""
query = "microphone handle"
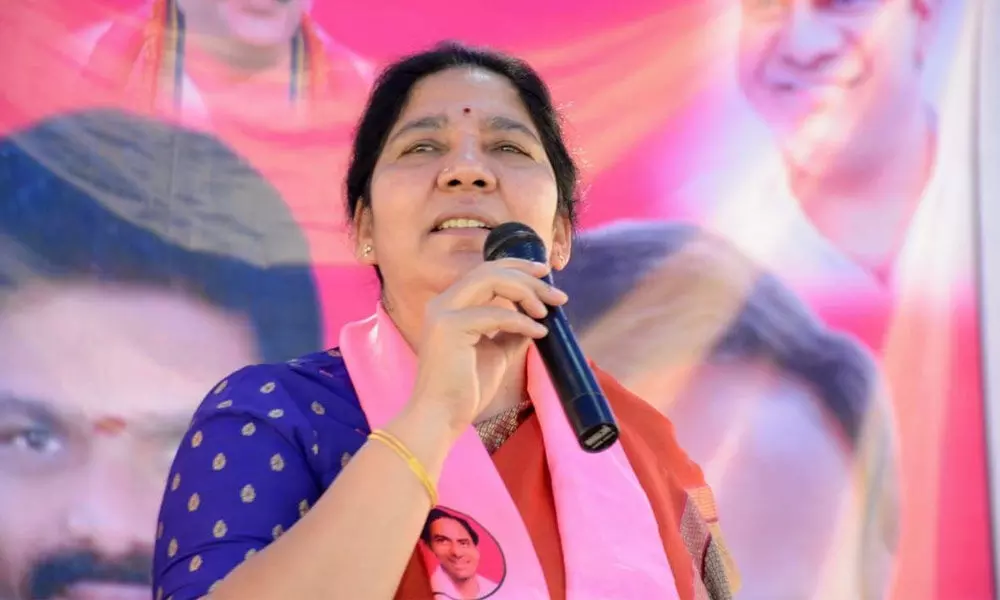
(583, 400)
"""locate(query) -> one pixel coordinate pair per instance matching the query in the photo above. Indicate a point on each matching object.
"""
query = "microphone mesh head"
(503, 236)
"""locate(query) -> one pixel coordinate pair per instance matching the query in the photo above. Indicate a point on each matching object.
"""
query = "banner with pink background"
(779, 247)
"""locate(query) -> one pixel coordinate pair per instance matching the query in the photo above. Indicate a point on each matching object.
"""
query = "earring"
(366, 250)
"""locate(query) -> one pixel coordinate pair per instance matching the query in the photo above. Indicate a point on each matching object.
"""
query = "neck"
(863, 201)
(239, 56)
(512, 387)
(243, 58)
(468, 588)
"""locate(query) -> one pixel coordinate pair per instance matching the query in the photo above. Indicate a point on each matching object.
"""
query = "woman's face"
(463, 157)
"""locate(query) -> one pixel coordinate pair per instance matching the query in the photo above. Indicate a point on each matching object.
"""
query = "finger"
(518, 287)
(549, 294)
(553, 296)
(507, 284)
(481, 321)
(530, 267)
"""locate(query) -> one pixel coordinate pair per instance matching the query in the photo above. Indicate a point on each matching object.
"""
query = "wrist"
(437, 415)
(427, 433)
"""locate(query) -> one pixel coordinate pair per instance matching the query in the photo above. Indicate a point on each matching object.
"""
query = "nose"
(467, 171)
(108, 512)
(810, 40)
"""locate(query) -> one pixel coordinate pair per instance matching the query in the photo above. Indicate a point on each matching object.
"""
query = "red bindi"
(466, 110)
(110, 426)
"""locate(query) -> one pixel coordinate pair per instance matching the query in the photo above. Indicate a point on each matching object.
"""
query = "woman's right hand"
(473, 333)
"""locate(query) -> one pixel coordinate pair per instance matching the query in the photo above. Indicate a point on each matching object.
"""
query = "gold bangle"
(411, 461)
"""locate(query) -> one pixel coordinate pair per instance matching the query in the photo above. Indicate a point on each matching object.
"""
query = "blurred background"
(791, 207)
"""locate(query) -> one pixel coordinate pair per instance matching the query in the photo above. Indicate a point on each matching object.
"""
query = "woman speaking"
(428, 456)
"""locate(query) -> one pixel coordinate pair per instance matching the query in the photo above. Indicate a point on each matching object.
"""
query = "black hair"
(772, 323)
(392, 91)
(104, 196)
(437, 513)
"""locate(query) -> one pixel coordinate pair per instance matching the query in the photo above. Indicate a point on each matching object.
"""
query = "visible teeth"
(462, 224)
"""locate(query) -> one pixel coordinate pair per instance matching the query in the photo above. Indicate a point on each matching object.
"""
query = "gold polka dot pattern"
(248, 471)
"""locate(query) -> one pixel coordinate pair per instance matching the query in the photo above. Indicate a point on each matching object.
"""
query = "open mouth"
(461, 224)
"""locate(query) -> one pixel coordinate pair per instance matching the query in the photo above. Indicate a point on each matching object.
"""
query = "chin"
(820, 157)
(255, 38)
(445, 272)
(458, 265)
(259, 30)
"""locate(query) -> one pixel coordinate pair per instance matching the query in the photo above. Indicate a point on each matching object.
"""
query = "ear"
(363, 239)
(562, 242)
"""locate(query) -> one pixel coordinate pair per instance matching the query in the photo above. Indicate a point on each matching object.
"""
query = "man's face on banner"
(454, 549)
(255, 22)
(97, 385)
(825, 73)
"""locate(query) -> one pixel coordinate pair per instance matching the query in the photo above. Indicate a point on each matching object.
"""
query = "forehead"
(92, 351)
(450, 92)
(449, 527)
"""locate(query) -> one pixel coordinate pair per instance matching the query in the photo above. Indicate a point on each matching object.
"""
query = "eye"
(34, 439)
(420, 148)
(511, 148)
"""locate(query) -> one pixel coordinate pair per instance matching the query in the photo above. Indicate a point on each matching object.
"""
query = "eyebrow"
(508, 124)
(35, 410)
(438, 122)
(151, 424)
(461, 538)
(433, 122)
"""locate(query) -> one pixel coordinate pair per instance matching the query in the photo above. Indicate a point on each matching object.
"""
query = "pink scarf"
(610, 538)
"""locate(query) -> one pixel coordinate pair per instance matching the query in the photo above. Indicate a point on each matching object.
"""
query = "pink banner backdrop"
(777, 249)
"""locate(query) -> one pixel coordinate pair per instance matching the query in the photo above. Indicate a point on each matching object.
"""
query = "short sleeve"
(241, 477)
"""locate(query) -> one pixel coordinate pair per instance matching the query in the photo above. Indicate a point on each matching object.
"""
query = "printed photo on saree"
(464, 559)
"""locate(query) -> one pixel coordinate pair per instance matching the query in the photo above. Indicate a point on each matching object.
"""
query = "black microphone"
(582, 399)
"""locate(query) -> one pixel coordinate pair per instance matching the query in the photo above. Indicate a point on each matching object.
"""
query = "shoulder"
(126, 31)
(86, 40)
(109, 50)
(346, 73)
(340, 55)
(307, 400)
(298, 384)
